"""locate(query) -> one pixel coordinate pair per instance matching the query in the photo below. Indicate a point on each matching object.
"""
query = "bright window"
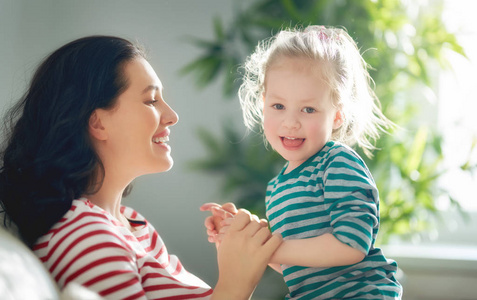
(457, 106)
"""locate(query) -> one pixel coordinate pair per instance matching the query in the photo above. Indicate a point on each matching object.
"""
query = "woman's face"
(136, 129)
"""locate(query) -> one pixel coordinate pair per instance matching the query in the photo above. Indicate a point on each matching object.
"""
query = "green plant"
(406, 46)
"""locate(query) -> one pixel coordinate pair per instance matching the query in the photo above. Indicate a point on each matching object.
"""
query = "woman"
(92, 121)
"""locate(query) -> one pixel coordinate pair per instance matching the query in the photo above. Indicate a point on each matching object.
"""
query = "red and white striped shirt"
(90, 247)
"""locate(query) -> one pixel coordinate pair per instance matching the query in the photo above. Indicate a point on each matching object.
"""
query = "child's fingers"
(211, 232)
(230, 207)
(224, 229)
(226, 222)
(208, 206)
(220, 212)
(209, 223)
(219, 237)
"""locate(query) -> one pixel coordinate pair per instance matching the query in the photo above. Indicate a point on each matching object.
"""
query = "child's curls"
(343, 69)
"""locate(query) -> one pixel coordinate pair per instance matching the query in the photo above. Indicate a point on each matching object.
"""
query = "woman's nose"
(168, 116)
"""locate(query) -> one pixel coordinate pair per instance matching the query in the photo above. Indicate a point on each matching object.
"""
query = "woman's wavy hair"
(48, 159)
(342, 68)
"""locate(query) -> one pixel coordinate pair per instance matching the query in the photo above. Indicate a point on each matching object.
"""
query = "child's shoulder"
(337, 151)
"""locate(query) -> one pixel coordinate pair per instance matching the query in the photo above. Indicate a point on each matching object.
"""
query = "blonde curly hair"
(343, 69)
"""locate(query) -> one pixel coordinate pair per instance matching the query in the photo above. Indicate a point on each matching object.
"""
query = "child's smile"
(292, 143)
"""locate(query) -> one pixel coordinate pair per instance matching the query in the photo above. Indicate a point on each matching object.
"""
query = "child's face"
(298, 112)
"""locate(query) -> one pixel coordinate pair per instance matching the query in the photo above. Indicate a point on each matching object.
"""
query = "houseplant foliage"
(404, 44)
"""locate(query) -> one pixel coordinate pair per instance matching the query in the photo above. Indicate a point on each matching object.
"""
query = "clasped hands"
(222, 217)
(244, 245)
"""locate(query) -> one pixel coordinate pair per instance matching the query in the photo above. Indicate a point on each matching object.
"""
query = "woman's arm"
(322, 251)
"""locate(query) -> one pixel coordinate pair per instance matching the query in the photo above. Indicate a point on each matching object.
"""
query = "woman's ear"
(339, 119)
(95, 126)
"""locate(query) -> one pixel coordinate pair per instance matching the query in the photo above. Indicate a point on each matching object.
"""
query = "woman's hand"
(220, 214)
(243, 255)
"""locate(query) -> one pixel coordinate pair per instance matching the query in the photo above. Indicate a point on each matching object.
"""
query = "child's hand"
(219, 213)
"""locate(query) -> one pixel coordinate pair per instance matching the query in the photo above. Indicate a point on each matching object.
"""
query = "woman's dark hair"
(48, 159)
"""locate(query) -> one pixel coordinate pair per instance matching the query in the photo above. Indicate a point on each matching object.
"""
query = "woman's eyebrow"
(151, 87)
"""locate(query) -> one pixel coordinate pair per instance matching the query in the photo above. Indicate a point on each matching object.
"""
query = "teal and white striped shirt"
(332, 192)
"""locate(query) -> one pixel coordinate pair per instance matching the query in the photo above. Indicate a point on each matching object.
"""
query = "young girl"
(309, 90)
(93, 119)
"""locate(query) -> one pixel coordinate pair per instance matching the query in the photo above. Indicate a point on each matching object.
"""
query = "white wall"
(29, 30)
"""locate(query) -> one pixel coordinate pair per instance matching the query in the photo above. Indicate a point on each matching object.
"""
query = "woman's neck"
(109, 196)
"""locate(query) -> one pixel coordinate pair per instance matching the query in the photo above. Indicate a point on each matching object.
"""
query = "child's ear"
(339, 119)
(95, 126)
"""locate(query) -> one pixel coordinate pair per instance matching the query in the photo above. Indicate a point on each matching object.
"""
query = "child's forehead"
(299, 63)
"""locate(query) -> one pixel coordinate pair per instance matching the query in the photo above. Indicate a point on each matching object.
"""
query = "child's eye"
(308, 110)
(151, 102)
(278, 106)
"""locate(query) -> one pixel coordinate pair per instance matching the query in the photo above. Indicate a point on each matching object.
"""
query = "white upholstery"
(23, 276)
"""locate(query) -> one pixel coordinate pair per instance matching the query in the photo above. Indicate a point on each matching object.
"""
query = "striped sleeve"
(91, 252)
(351, 199)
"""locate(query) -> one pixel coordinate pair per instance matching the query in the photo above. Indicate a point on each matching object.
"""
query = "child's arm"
(321, 251)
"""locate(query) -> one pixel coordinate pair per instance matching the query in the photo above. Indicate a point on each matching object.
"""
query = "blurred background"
(423, 56)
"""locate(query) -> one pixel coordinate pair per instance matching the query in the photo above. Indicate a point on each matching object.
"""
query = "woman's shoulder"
(84, 212)
(84, 219)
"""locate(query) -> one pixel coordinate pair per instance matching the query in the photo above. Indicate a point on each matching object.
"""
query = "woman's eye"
(151, 102)
(308, 110)
(278, 106)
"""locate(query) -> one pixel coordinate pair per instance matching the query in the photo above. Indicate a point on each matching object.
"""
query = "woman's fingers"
(264, 222)
(272, 244)
(262, 235)
(241, 219)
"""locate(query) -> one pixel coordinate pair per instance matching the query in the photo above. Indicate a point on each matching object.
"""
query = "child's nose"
(291, 121)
